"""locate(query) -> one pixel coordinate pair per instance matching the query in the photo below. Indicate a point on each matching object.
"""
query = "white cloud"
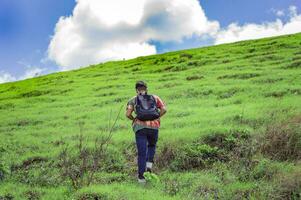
(101, 30)
(6, 77)
(280, 13)
(293, 11)
(235, 32)
(30, 72)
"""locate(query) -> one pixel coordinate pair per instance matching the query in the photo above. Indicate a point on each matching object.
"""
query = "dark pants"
(146, 140)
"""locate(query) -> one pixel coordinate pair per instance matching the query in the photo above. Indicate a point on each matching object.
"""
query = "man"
(149, 109)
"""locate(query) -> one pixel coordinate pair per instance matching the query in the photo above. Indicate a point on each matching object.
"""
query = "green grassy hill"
(232, 130)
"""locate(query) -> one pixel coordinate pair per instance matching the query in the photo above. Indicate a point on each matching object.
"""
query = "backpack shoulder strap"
(136, 100)
(153, 97)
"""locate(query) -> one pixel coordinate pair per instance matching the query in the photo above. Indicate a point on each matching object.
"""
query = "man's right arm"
(129, 114)
(129, 110)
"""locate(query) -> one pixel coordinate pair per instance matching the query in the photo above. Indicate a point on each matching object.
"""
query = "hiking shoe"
(141, 179)
(149, 166)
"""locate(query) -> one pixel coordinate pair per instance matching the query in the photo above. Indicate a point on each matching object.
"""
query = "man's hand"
(162, 111)
(128, 114)
(134, 118)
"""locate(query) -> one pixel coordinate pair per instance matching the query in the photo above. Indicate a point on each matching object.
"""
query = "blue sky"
(26, 27)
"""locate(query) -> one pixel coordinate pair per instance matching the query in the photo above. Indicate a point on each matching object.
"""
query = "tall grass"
(246, 87)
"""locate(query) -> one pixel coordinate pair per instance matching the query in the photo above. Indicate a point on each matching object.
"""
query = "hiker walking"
(148, 109)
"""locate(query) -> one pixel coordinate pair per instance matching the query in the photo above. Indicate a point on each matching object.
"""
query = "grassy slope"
(205, 90)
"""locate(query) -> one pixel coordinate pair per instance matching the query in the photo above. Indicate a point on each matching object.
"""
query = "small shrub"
(166, 156)
(240, 190)
(265, 169)
(182, 114)
(276, 94)
(129, 151)
(237, 149)
(108, 87)
(168, 85)
(106, 94)
(297, 53)
(194, 77)
(165, 69)
(227, 94)
(282, 141)
(172, 187)
(269, 57)
(61, 92)
(25, 122)
(295, 91)
(294, 65)
(13, 88)
(156, 61)
(80, 165)
(168, 68)
(249, 56)
(220, 140)
(238, 101)
(297, 58)
(251, 50)
(251, 122)
(110, 177)
(206, 187)
(269, 80)
(186, 55)
(35, 93)
(166, 77)
(26, 164)
(192, 63)
(94, 75)
(136, 69)
(226, 61)
(32, 195)
(179, 67)
(119, 99)
(239, 76)
(93, 196)
(36, 171)
(207, 92)
(227, 141)
(206, 61)
(182, 60)
(192, 185)
(241, 159)
(194, 156)
(288, 186)
(285, 45)
(7, 197)
(7, 106)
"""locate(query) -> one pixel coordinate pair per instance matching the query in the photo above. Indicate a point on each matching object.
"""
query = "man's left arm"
(161, 106)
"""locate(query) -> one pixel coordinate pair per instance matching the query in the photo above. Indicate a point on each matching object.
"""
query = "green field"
(232, 130)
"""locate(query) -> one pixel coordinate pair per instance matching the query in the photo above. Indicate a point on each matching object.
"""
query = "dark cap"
(140, 84)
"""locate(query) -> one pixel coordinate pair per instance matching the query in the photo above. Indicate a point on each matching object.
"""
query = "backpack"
(146, 108)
